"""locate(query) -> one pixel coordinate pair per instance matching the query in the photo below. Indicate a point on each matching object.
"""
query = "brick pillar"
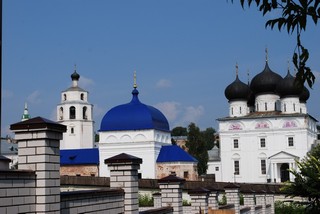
(38, 140)
(124, 174)
(156, 199)
(270, 200)
(248, 201)
(199, 200)
(261, 200)
(213, 201)
(171, 192)
(233, 197)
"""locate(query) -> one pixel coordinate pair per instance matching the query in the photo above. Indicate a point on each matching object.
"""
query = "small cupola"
(238, 94)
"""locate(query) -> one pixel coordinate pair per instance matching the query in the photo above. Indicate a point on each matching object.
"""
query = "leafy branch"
(294, 17)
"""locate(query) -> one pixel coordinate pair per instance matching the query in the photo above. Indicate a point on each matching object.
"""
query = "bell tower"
(75, 112)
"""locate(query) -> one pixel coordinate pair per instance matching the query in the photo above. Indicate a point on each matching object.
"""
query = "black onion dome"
(288, 87)
(75, 76)
(305, 94)
(265, 82)
(251, 99)
(237, 90)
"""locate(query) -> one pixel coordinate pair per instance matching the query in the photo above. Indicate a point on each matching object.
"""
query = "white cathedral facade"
(267, 130)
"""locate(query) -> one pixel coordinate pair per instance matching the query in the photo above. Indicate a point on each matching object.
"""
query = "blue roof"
(134, 116)
(79, 157)
(174, 153)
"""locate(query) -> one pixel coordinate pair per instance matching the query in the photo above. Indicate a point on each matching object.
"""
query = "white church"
(133, 128)
(136, 128)
(268, 128)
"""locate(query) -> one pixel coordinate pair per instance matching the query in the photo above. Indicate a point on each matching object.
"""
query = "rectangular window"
(236, 167)
(235, 143)
(185, 174)
(217, 168)
(290, 141)
(263, 167)
(262, 142)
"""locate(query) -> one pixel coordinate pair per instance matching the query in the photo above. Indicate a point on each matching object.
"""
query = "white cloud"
(7, 94)
(34, 97)
(169, 109)
(177, 115)
(163, 83)
(85, 82)
(192, 114)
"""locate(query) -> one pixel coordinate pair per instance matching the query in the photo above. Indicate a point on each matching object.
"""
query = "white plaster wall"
(249, 152)
(145, 144)
(212, 169)
(303, 107)
(290, 105)
(235, 106)
(83, 136)
(270, 99)
(74, 96)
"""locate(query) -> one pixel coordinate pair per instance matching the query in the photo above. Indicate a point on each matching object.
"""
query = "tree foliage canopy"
(179, 131)
(295, 15)
(198, 144)
(307, 181)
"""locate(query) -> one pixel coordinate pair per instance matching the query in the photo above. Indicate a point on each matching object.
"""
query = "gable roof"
(79, 157)
(174, 153)
(283, 154)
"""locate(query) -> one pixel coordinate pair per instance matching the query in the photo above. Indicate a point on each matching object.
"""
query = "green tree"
(179, 131)
(307, 181)
(208, 137)
(293, 18)
(197, 148)
(96, 137)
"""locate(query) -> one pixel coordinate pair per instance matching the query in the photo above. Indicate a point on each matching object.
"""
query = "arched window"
(265, 106)
(240, 109)
(284, 107)
(294, 107)
(64, 97)
(72, 130)
(72, 112)
(231, 111)
(257, 107)
(84, 113)
(61, 113)
(82, 96)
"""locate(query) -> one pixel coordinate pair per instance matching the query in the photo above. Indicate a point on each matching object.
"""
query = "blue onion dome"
(304, 96)
(237, 90)
(134, 116)
(265, 82)
(288, 87)
(75, 76)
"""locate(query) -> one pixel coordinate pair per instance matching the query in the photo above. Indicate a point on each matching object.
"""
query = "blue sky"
(184, 53)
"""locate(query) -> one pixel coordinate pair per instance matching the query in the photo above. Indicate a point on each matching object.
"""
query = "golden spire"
(135, 79)
(267, 55)
(237, 69)
(75, 67)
